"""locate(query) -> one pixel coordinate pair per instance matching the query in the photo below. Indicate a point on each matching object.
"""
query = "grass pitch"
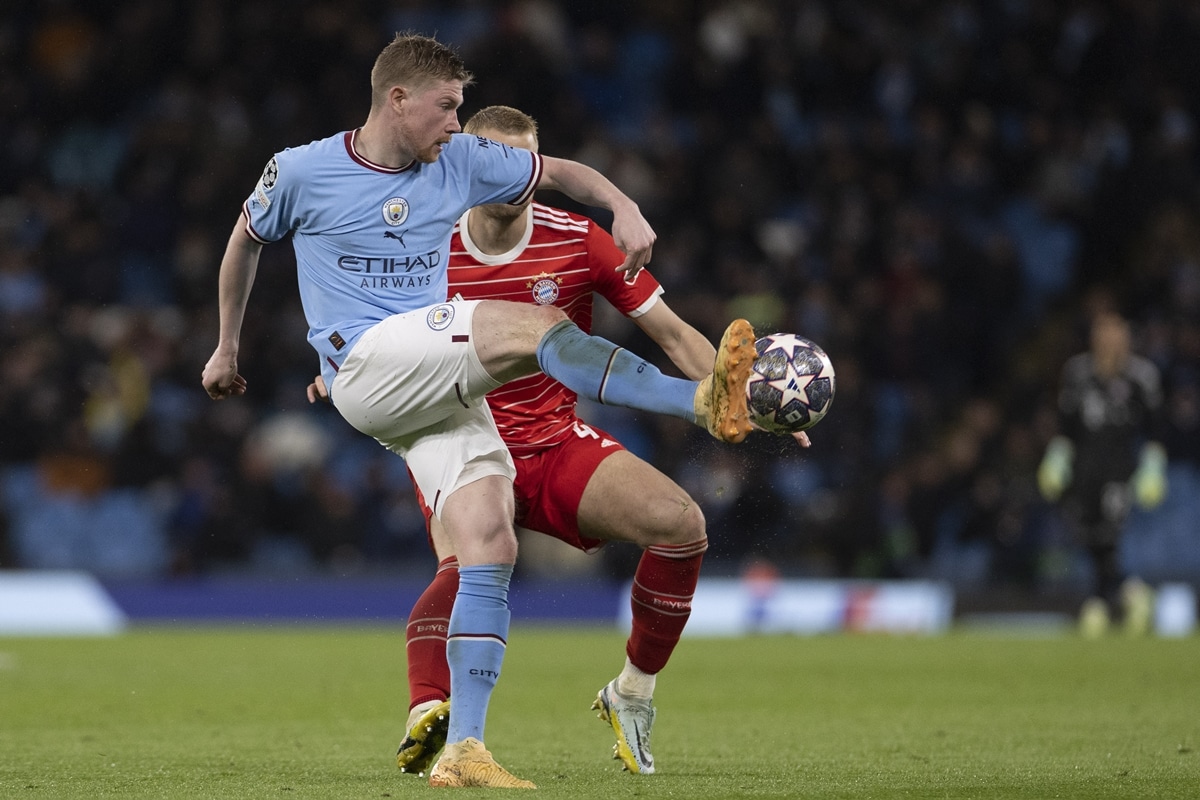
(317, 713)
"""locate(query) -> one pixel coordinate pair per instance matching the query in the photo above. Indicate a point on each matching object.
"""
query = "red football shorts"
(550, 484)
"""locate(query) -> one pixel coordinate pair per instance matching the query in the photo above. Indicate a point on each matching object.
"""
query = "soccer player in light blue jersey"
(370, 212)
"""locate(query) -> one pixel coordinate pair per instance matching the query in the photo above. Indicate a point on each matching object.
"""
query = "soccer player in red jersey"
(574, 482)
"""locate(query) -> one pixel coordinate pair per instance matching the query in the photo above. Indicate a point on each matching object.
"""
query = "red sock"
(428, 672)
(662, 601)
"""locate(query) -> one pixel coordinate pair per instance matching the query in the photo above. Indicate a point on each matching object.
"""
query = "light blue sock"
(478, 634)
(598, 370)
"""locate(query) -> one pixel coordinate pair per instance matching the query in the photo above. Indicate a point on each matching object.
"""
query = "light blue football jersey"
(373, 241)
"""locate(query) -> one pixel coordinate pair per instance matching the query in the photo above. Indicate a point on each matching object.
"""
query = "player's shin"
(425, 636)
(475, 648)
(596, 369)
(661, 601)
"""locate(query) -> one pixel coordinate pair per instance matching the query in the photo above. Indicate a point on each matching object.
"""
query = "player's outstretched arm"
(688, 348)
(630, 230)
(220, 377)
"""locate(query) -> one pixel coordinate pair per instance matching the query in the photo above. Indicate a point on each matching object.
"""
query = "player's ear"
(397, 96)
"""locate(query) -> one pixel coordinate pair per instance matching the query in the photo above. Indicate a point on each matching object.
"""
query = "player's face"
(1111, 343)
(428, 117)
(523, 141)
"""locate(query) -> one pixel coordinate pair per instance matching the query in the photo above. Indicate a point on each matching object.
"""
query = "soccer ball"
(791, 385)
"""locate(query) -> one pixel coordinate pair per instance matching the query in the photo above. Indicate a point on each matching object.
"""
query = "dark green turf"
(298, 713)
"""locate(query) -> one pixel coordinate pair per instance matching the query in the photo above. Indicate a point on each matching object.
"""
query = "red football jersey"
(561, 260)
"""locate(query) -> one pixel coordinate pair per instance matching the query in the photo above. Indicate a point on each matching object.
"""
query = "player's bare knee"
(547, 317)
(681, 522)
(496, 547)
(691, 525)
(483, 540)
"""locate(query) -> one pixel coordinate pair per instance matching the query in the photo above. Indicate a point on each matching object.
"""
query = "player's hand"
(317, 390)
(220, 377)
(634, 236)
(1150, 478)
(801, 437)
(1054, 473)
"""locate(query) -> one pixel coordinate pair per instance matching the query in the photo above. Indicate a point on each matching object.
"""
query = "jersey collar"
(487, 258)
(354, 156)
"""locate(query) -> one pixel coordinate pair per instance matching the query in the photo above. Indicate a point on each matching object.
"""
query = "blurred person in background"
(1107, 455)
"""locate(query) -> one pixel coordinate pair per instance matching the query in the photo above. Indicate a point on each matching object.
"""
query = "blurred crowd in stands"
(937, 191)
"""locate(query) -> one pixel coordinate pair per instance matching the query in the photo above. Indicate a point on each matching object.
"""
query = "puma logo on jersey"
(399, 237)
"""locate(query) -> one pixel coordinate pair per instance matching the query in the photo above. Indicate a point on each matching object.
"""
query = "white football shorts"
(415, 384)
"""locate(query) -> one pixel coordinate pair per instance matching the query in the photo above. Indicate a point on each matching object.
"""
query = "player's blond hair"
(501, 119)
(415, 61)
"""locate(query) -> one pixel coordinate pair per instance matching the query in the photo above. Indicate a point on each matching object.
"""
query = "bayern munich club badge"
(544, 288)
(440, 317)
(545, 292)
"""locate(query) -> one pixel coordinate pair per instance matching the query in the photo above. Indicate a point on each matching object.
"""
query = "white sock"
(635, 684)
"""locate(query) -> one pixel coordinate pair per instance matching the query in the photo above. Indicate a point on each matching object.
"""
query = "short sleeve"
(499, 173)
(604, 257)
(269, 208)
